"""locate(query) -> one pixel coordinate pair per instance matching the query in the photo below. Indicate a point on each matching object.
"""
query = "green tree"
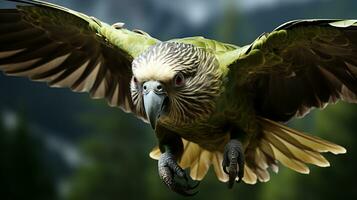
(117, 158)
(24, 174)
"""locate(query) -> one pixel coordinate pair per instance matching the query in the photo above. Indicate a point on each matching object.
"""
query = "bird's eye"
(179, 79)
(135, 80)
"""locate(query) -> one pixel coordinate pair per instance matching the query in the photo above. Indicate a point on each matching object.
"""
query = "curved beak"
(154, 101)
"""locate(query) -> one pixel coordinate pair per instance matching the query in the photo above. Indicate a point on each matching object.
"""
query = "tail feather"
(277, 143)
(190, 155)
(217, 166)
(200, 166)
(198, 160)
(307, 156)
(155, 153)
(299, 138)
(291, 148)
(249, 176)
(283, 158)
(261, 159)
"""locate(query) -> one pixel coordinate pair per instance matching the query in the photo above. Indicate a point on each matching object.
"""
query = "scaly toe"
(168, 170)
(233, 161)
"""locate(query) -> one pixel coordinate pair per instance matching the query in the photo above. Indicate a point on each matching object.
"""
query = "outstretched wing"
(65, 48)
(300, 65)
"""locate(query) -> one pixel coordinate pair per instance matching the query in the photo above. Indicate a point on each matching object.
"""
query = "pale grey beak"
(154, 101)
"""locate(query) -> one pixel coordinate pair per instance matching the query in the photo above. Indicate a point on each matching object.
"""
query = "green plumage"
(205, 99)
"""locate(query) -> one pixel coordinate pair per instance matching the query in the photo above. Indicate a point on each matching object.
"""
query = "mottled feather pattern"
(195, 100)
(314, 58)
(65, 48)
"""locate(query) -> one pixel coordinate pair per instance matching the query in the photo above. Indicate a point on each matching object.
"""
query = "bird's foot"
(170, 171)
(233, 161)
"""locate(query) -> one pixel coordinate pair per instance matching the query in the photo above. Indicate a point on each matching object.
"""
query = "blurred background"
(58, 145)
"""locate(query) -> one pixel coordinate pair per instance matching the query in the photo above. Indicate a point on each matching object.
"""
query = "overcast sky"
(249, 5)
(199, 11)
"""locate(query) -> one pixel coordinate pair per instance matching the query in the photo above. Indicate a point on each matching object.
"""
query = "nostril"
(154, 86)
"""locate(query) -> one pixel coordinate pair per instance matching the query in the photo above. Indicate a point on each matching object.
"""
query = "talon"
(169, 169)
(195, 185)
(233, 161)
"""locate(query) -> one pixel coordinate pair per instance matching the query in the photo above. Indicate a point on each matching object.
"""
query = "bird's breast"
(211, 134)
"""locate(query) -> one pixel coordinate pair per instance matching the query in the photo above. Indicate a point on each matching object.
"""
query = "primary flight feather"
(210, 103)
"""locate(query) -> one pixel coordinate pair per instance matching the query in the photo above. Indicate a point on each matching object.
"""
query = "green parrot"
(209, 103)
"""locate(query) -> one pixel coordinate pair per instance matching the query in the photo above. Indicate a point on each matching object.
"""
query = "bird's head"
(175, 83)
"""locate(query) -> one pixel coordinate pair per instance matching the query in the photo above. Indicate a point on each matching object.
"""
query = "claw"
(233, 161)
(195, 185)
(169, 169)
(185, 190)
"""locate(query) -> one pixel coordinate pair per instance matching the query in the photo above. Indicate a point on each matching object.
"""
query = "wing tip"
(343, 23)
(338, 150)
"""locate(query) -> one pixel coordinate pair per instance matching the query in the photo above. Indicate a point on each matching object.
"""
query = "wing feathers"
(19, 64)
(5, 54)
(314, 58)
(9, 15)
(19, 35)
(25, 43)
(115, 98)
(12, 27)
(99, 91)
(74, 59)
(87, 78)
(65, 48)
(53, 49)
(31, 71)
(69, 76)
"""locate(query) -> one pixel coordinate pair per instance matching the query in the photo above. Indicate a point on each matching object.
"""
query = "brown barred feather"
(195, 100)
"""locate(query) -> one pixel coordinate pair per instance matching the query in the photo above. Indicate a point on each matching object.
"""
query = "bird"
(209, 103)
